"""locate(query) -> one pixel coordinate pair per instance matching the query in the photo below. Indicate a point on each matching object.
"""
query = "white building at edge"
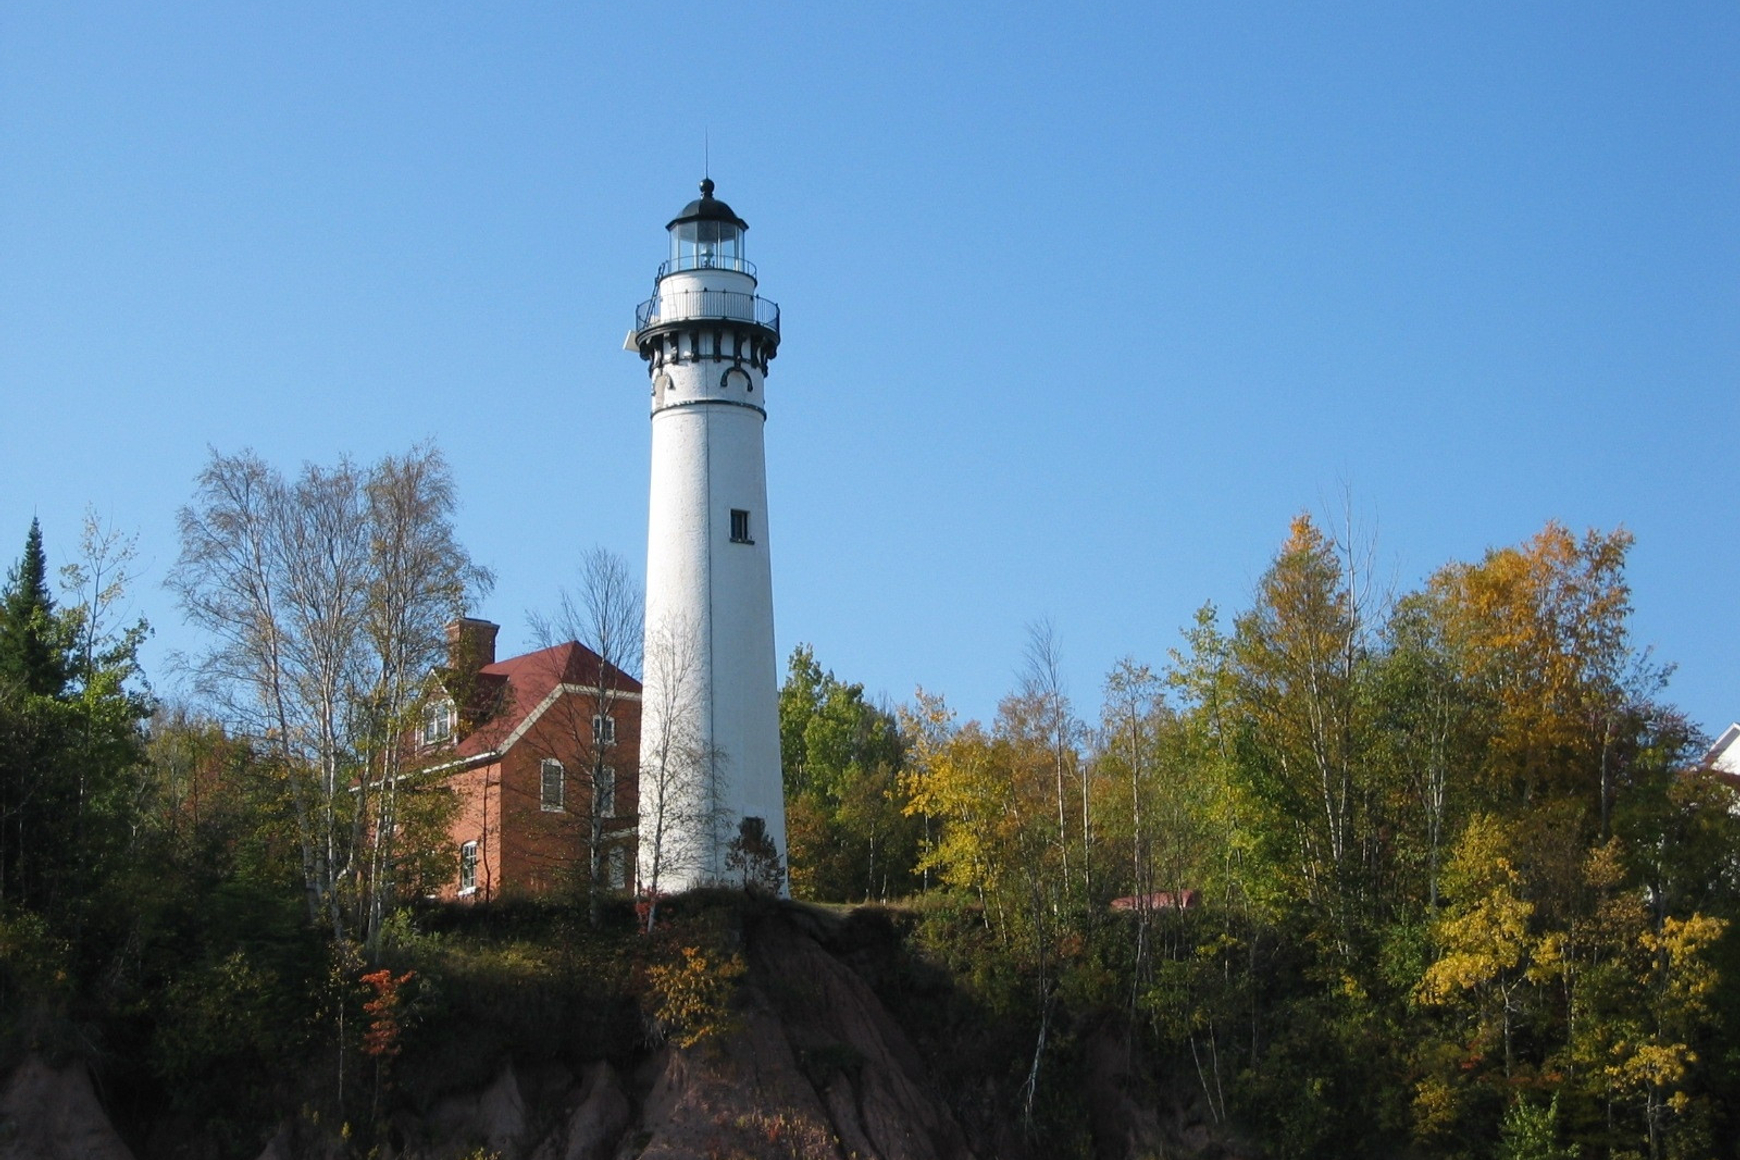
(1723, 759)
(1724, 755)
(709, 712)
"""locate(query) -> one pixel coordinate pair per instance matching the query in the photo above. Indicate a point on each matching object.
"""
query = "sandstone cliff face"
(816, 1068)
(52, 1113)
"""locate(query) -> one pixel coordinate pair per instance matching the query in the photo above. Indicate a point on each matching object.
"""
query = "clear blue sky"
(1082, 302)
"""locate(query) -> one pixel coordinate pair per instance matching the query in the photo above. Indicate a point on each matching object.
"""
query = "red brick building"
(527, 735)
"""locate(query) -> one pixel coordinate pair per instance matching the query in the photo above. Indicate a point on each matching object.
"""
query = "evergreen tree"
(32, 658)
(69, 730)
(33, 729)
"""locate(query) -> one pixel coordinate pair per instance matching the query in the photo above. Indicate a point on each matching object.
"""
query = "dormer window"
(438, 722)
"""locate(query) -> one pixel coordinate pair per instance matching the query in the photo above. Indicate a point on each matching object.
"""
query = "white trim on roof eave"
(483, 758)
(550, 699)
(1717, 756)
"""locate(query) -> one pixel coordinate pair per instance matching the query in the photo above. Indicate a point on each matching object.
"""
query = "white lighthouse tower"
(709, 710)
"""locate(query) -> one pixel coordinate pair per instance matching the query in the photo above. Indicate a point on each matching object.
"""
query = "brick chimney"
(470, 644)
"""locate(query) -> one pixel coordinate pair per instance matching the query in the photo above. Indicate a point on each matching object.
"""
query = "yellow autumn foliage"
(1482, 944)
(691, 994)
(1542, 628)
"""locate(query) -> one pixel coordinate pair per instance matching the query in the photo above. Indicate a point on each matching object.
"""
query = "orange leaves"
(1541, 628)
(382, 1039)
(1306, 619)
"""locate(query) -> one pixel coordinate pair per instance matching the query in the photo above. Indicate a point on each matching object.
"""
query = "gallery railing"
(706, 262)
(687, 305)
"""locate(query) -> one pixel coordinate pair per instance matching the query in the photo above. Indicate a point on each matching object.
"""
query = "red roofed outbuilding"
(1159, 900)
(535, 742)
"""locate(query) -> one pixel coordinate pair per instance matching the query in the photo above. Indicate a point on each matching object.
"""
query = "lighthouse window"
(740, 527)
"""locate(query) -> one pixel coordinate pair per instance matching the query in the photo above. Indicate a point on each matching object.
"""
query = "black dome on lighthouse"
(707, 208)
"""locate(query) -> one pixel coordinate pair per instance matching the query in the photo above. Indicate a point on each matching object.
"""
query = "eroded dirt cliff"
(814, 1064)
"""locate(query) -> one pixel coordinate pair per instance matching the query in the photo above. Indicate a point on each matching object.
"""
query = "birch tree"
(1056, 728)
(324, 600)
(606, 615)
(681, 775)
(419, 579)
(1427, 716)
(1129, 720)
(1299, 656)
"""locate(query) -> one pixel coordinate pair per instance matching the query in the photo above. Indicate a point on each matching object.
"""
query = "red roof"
(1159, 900)
(518, 685)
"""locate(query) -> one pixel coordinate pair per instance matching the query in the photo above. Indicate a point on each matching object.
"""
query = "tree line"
(1430, 873)
(1427, 873)
(190, 893)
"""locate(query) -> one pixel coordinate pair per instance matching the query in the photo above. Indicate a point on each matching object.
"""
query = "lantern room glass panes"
(706, 245)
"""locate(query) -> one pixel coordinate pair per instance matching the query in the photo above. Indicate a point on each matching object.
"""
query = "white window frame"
(468, 868)
(603, 730)
(438, 722)
(544, 803)
(616, 863)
